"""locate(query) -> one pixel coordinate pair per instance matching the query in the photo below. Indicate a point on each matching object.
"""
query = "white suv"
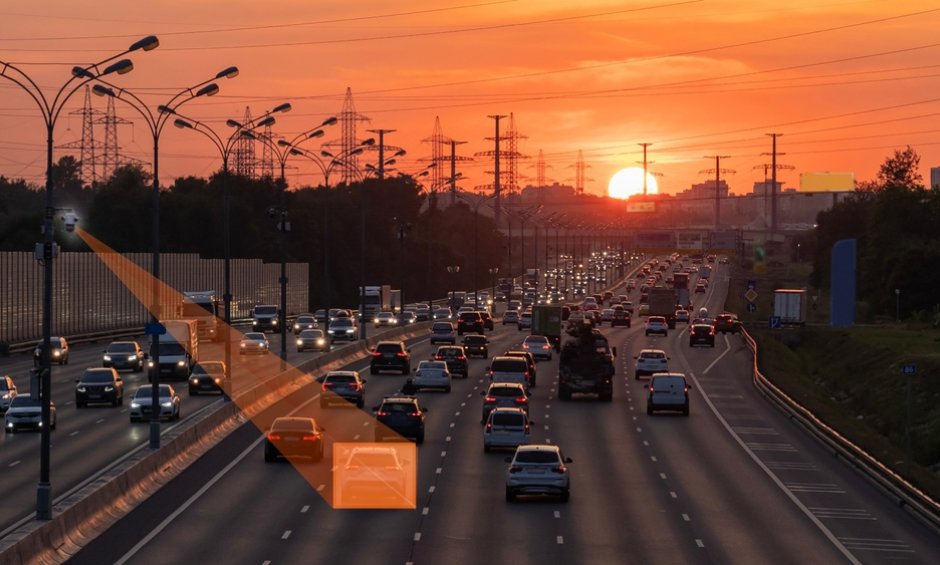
(651, 361)
(506, 427)
(538, 469)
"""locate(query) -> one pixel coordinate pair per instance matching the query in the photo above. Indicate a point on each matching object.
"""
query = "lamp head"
(148, 43)
(232, 123)
(268, 121)
(329, 121)
(316, 133)
(369, 141)
(183, 124)
(230, 72)
(81, 72)
(102, 90)
(210, 89)
(121, 67)
(285, 107)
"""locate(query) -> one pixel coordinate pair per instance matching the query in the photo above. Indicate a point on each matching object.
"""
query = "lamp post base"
(44, 501)
(155, 433)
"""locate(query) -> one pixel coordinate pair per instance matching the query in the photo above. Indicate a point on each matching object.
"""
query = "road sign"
(154, 328)
(908, 369)
(750, 295)
(751, 284)
(775, 323)
(751, 307)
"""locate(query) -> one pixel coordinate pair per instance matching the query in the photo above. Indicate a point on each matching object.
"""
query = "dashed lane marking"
(557, 513)
(699, 543)
(686, 518)
(425, 510)
(559, 540)
(673, 494)
(286, 534)
(304, 509)
(662, 476)
(417, 536)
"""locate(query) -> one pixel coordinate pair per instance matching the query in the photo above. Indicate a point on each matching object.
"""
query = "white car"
(657, 325)
(312, 340)
(254, 343)
(141, 403)
(651, 361)
(24, 412)
(371, 473)
(506, 427)
(538, 469)
(431, 374)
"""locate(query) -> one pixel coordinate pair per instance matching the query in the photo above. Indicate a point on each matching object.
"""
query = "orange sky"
(845, 82)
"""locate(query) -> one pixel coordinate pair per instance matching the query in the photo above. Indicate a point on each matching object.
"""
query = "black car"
(620, 318)
(293, 437)
(402, 415)
(456, 358)
(702, 334)
(727, 322)
(390, 356)
(100, 385)
(344, 386)
(124, 355)
(469, 322)
(487, 320)
(476, 345)
(208, 376)
(60, 351)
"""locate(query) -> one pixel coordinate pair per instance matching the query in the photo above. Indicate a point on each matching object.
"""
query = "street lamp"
(493, 272)
(225, 147)
(50, 111)
(402, 228)
(155, 122)
(452, 270)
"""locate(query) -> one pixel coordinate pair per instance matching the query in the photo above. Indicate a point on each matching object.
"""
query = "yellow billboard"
(645, 207)
(827, 182)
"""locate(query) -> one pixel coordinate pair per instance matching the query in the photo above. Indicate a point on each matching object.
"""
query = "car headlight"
(218, 380)
(300, 342)
(167, 404)
(79, 388)
(135, 404)
(254, 322)
(194, 379)
(56, 353)
(296, 327)
(243, 345)
(321, 341)
(107, 357)
(274, 321)
(181, 363)
(132, 358)
(150, 364)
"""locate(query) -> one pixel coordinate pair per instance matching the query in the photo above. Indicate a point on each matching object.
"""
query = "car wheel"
(447, 389)
(319, 454)
(79, 404)
(564, 393)
(114, 403)
(565, 495)
(419, 439)
(486, 448)
(360, 403)
(510, 496)
(193, 392)
(52, 427)
(685, 411)
(406, 369)
(178, 414)
(649, 410)
(133, 420)
(636, 376)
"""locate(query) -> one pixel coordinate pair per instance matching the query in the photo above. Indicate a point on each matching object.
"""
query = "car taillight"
(376, 354)
(527, 427)
(651, 388)
(489, 399)
(685, 389)
(400, 354)
(545, 346)
(274, 437)
(525, 346)
(438, 357)
(356, 386)
(489, 426)
(521, 400)
(462, 358)
(326, 386)
(380, 414)
(558, 469)
(415, 414)
(311, 438)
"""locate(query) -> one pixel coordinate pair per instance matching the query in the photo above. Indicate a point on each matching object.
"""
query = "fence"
(87, 297)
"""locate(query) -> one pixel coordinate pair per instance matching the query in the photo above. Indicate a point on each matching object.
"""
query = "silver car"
(668, 391)
(312, 340)
(431, 374)
(443, 332)
(538, 469)
(24, 412)
(506, 427)
(254, 343)
(141, 405)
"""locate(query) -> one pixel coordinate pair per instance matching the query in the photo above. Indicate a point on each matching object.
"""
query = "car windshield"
(265, 310)
(305, 319)
(399, 407)
(311, 333)
(122, 347)
(536, 457)
(145, 391)
(373, 459)
(24, 400)
(209, 369)
(97, 377)
(293, 425)
(172, 348)
(254, 336)
(475, 339)
(341, 323)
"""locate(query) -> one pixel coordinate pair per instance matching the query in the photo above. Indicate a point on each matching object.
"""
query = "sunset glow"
(627, 182)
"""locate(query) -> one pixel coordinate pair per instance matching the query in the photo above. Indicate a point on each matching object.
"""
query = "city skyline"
(845, 83)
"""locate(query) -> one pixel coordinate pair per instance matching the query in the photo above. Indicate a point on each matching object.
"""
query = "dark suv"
(469, 322)
(390, 356)
(99, 385)
(476, 345)
(487, 320)
(456, 358)
(400, 414)
(727, 322)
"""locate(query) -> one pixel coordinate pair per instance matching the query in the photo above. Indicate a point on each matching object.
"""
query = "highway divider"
(910, 498)
(83, 516)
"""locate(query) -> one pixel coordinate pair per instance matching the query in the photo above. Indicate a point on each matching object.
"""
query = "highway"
(735, 482)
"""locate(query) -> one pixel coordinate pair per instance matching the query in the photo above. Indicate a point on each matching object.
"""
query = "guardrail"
(916, 502)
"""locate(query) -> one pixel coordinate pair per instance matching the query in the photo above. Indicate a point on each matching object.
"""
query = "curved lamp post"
(50, 110)
(225, 147)
(155, 122)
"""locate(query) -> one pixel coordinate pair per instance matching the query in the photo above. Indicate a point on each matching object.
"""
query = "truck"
(546, 321)
(680, 281)
(531, 278)
(663, 303)
(264, 317)
(204, 307)
(394, 301)
(178, 350)
(375, 299)
(586, 365)
(790, 305)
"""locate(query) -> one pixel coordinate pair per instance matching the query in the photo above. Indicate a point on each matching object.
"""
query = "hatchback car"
(99, 385)
(441, 314)
(607, 315)
(407, 318)
(304, 322)
(538, 346)
(476, 345)
(343, 387)
(443, 332)
(254, 343)
(292, 436)
(312, 340)
(504, 395)
(656, 325)
(208, 376)
(668, 391)
(538, 469)
(124, 355)
(505, 369)
(59, 353)
(390, 356)
(369, 474)
(683, 316)
(701, 334)
(141, 405)
(401, 414)
(530, 362)
(431, 374)
(700, 288)
(651, 361)
(456, 358)
(525, 320)
(25, 412)
(506, 427)
(7, 392)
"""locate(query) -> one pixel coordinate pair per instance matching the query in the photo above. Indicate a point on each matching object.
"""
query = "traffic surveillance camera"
(70, 219)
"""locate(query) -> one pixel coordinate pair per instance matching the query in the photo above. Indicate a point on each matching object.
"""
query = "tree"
(901, 171)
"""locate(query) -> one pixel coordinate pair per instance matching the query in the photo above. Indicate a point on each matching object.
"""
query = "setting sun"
(627, 182)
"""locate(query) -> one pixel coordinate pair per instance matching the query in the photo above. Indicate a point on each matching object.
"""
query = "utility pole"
(773, 183)
(718, 170)
(645, 173)
(381, 133)
(453, 169)
(496, 191)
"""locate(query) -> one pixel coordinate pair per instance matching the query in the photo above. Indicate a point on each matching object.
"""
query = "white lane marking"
(639, 429)
(723, 353)
(425, 510)
(559, 540)
(15, 463)
(443, 454)
(438, 471)
(548, 440)
(662, 476)
(686, 518)
(673, 494)
(842, 513)
(546, 427)
(471, 395)
(99, 421)
(646, 443)
(653, 458)
(557, 513)
(356, 436)
(699, 543)
(304, 509)
(320, 488)
(364, 424)
(75, 433)
(875, 544)
(286, 534)
(462, 404)
(447, 438)
(431, 489)
(457, 413)
(791, 466)
(782, 447)
(830, 488)
(417, 536)
(452, 424)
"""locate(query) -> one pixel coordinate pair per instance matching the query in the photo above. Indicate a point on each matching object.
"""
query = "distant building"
(935, 178)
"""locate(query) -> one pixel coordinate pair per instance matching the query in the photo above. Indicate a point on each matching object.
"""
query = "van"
(506, 427)
(509, 370)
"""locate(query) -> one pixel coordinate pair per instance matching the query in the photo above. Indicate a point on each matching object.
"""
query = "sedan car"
(312, 340)
(407, 318)
(443, 332)
(538, 346)
(441, 314)
(208, 376)
(304, 322)
(99, 385)
(525, 320)
(727, 322)
(292, 436)
(431, 374)
(124, 355)
(683, 316)
(141, 405)
(254, 343)
(24, 412)
(456, 358)
(538, 469)
(510, 317)
(701, 334)
(668, 391)
(370, 474)
(345, 386)
(700, 288)
(385, 320)
(656, 325)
